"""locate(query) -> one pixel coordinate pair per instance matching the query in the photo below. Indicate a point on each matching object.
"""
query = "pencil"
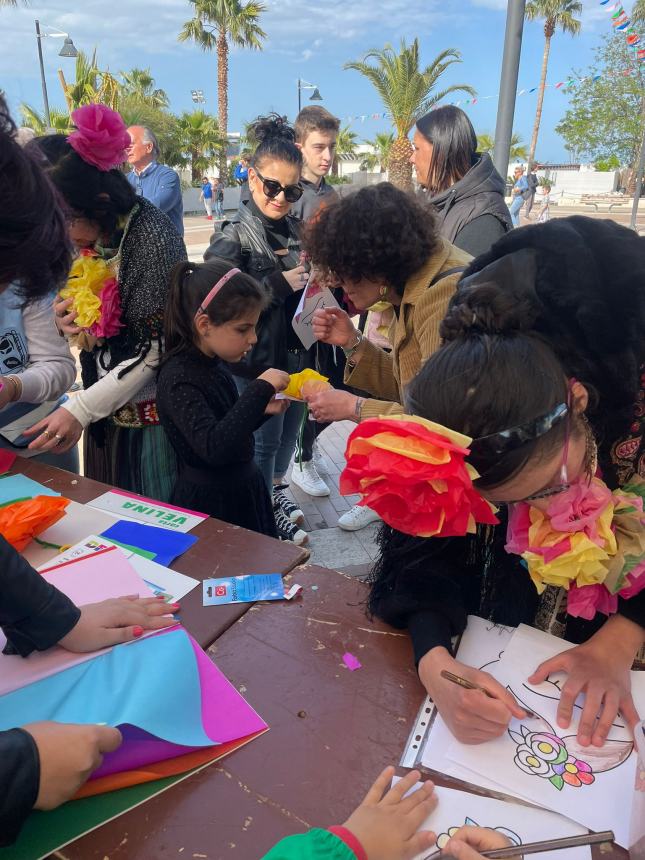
(468, 685)
(538, 847)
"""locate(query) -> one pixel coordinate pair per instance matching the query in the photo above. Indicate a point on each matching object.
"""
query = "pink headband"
(218, 286)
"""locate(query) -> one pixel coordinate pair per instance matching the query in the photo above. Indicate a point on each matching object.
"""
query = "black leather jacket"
(243, 242)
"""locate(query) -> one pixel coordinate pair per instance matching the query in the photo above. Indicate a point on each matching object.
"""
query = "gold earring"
(383, 292)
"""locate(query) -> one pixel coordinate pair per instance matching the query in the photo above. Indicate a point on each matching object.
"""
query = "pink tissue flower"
(109, 322)
(579, 508)
(585, 601)
(101, 138)
(636, 582)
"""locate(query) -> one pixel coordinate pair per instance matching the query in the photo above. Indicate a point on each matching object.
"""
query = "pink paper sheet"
(88, 580)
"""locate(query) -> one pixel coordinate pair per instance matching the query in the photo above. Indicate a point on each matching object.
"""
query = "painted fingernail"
(160, 597)
(137, 631)
(175, 606)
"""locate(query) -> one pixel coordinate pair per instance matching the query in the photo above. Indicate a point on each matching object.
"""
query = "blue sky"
(306, 39)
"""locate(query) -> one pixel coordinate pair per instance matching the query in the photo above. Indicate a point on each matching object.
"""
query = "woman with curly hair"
(381, 244)
(539, 388)
(125, 445)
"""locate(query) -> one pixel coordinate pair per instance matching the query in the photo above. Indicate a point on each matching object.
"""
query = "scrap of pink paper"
(352, 663)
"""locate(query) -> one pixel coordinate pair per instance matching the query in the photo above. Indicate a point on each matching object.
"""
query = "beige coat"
(414, 335)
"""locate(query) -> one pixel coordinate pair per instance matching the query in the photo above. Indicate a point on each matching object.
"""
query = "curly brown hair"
(379, 233)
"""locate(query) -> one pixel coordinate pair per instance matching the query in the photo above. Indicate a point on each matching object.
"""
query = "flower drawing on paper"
(443, 838)
(562, 761)
(546, 755)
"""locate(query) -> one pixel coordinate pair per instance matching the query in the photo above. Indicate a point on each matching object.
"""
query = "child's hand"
(386, 824)
(277, 378)
(276, 407)
(469, 841)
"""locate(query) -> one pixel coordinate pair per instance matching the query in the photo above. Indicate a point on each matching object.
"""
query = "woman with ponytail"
(210, 321)
(262, 239)
(526, 469)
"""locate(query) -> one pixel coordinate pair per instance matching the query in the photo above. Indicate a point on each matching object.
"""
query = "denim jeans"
(515, 209)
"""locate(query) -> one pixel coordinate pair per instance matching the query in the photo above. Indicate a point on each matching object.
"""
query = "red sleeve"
(350, 840)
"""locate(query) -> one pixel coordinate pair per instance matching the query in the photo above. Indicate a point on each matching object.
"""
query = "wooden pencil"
(538, 847)
(469, 685)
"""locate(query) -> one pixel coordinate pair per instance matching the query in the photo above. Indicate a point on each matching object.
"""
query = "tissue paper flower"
(95, 293)
(305, 383)
(414, 474)
(101, 138)
(20, 522)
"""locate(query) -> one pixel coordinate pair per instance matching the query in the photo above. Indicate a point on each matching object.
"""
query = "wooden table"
(222, 550)
(331, 732)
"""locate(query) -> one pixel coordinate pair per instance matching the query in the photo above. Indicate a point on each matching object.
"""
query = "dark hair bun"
(498, 299)
(272, 127)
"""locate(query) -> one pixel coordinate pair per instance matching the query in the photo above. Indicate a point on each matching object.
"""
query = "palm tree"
(346, 143)
(200, 140)
(31, 118)
(407, 92)
(215, 24)
(91, 85)
(555, 13)
(140, 85)
(638, 12)
(381, 147)
(485, 143)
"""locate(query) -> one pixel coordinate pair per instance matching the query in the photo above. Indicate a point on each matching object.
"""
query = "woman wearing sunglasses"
(262, 240)
(542, 370)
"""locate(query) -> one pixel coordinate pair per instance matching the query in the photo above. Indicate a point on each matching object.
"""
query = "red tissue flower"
(413, 473)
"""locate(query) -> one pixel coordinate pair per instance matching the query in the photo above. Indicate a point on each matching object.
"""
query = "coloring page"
(518, 823)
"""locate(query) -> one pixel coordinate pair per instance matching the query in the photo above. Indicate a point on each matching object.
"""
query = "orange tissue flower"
(20, 522)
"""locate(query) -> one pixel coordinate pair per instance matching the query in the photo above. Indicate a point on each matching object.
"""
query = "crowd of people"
(524, 345)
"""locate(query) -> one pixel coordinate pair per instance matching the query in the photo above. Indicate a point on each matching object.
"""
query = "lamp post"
(68, 50)
(305, 85)
(508, 84)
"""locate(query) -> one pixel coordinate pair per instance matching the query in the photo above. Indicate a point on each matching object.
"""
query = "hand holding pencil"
(476, 715)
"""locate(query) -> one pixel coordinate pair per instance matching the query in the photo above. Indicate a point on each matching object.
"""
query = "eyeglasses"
(272, 188)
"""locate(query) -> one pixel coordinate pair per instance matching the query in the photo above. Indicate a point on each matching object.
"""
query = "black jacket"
(242, 241)
(593, 316)
(34, 616)
(472, 213)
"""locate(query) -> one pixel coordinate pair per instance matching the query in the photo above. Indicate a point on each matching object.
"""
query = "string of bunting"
(563, 86)
(621, 22)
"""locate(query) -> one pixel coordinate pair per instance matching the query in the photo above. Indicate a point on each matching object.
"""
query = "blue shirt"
(522, 184)
(207, 190)
(160, 185)
(241, 173)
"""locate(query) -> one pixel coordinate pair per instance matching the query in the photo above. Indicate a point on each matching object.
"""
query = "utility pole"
(508, 84)
(639, 176)
(42, 76)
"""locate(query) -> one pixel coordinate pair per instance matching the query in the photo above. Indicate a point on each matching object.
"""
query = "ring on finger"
(59, 439)
(46, 434)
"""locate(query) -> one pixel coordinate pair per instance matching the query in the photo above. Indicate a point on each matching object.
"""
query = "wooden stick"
(538, 847)
(469, 685)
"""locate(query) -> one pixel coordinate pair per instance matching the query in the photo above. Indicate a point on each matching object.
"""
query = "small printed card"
(243, 589)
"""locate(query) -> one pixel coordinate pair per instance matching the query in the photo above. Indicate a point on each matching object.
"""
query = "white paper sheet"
(526, 760)
(78, 522)
(313, 297)
(520, 824)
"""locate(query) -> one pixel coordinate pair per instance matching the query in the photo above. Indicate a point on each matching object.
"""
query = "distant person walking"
(218, 186)
(520, 188)
(529, 195)
(206, 194)
(158, 183)
(241, 175)
(544, 213)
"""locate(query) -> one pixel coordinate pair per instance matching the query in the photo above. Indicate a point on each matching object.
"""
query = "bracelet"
(358, 406)
(349, 351)
(17, 387)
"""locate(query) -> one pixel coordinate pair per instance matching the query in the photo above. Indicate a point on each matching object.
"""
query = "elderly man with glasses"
(158, 183)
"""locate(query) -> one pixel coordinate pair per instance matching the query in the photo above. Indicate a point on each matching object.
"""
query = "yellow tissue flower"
(86, 280)
(306, 382)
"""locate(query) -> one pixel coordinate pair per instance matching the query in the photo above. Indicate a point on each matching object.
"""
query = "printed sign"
(148, 511)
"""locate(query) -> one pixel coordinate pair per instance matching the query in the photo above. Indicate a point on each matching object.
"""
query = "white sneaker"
(357, 518)
(319, 460)
(308, 479)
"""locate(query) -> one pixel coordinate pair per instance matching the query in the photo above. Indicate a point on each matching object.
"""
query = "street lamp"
(68, 50)
(508, 84)
(198, 96)
(314, 97)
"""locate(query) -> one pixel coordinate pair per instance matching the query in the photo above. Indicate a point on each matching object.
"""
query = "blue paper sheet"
(131, 684)
(165, 544)
(15, 487)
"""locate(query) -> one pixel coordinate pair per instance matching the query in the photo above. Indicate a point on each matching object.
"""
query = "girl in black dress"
(210, 320)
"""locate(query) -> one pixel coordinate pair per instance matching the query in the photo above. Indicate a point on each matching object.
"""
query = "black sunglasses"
(272, 188)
